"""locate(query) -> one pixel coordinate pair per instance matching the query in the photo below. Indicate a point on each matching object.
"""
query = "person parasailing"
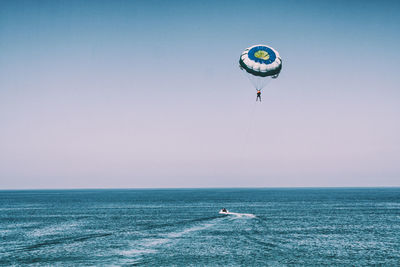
(260, 63)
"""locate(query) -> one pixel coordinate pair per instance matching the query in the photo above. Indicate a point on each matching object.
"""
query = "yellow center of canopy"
(262, 54)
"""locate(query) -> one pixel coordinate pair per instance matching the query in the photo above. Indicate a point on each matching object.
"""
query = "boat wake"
(240, 215)
(236, 214)
(152, 245)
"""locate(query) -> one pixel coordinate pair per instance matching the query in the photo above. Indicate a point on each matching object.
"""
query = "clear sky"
(114, 94)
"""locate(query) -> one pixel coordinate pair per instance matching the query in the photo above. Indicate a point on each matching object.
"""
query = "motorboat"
(223, 211)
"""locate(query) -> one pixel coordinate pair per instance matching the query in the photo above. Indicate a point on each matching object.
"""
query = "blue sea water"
(182, 227)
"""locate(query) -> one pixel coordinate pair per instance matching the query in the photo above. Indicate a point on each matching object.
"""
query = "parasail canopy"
(261, 61)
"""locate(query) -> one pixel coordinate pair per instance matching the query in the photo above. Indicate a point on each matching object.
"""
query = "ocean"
(182, 227)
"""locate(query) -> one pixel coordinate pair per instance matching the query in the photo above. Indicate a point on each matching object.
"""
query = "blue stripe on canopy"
(271, 53)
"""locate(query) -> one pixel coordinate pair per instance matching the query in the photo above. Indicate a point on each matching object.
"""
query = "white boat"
(224, 211)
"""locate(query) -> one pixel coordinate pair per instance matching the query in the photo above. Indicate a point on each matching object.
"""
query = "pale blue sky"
(149, 94)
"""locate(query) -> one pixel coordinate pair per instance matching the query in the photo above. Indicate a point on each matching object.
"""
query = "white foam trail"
(55, 228)
(240, 215)
(188, 230)
(132, 252)
(149, 245)
(169, 237)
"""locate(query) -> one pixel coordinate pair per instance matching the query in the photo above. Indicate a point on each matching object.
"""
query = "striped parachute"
(261, 63)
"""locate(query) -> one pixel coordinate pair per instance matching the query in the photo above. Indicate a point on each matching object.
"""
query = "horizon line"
(185, 188)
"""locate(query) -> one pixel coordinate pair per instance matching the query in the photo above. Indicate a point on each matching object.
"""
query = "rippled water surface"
(182, 227)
